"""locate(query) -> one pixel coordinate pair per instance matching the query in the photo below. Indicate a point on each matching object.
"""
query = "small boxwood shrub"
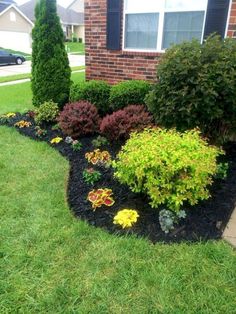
(128, 93)
(79, 118)
(170, 167)
(122, 122)
(96, 92)
(47, 112)
(197, 87)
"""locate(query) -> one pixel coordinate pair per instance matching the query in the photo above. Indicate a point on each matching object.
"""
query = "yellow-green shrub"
(170, 167)
(47, 112)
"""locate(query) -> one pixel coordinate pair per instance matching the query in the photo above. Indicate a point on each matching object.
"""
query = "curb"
(229, 234)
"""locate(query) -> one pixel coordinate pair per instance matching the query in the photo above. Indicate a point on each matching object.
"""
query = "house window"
(12, 16)
(156, 25)
(141, 30)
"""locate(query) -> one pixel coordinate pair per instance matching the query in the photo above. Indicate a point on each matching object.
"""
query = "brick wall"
(232, 21)
(115, 66)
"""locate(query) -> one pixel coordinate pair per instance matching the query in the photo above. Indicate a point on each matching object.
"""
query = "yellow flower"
(10, 115)
(126, 218)
(22, 124)
(56, 140)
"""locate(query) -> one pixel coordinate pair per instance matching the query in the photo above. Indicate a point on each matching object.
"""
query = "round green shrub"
(128, 93)
(47, 112)
(96, 92)
(197, 88)
(170, 167)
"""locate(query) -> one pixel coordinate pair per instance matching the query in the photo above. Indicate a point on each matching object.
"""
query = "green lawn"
(19, 97)
(75, 48)
(50, 262)
(17, 77)
(54, 263)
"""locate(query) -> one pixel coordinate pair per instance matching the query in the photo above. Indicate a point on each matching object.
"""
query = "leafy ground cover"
(19, 97)
(52, 262)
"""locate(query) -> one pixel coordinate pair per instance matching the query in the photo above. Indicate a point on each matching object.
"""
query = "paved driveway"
(5, 70)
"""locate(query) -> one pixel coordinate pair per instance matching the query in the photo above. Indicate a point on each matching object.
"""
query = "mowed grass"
(50, 262)
(17, 77)
(74, 48)
(18, 97)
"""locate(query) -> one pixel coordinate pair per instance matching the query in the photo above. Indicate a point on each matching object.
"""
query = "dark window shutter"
(216, 18)
(113, 24)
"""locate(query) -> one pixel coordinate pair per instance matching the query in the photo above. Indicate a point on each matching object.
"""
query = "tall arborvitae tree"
(50, 65)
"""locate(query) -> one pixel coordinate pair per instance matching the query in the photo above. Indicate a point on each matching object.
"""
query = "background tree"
(50, 65)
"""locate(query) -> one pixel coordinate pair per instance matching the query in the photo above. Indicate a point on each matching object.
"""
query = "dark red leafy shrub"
(122, 122)
(79, 118)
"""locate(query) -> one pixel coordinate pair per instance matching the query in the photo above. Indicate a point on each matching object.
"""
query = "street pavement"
(6, 70)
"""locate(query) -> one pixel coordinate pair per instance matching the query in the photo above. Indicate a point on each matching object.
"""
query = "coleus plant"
(23, 124)
(98, 157)
(101, 197)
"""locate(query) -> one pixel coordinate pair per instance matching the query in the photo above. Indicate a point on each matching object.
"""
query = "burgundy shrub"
(122, 122)
(79, 118)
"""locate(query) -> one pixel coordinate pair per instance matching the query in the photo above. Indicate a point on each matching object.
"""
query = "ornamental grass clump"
(170, 167)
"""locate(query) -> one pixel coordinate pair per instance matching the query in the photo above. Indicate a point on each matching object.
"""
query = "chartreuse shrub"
(170, 167)
(197, 87)
(50, 65)
(47, 112)
(128, 93)
(96, 92)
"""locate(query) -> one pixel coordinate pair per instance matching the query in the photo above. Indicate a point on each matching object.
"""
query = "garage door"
(16, 41)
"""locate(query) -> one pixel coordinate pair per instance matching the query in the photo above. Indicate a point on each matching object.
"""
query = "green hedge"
(96, 92)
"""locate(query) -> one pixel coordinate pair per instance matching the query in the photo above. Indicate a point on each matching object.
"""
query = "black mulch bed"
(205, 221)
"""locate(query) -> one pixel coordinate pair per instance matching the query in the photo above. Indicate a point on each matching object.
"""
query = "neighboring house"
(77, 6)
(15, 28)
(72, 22)
(126, 38)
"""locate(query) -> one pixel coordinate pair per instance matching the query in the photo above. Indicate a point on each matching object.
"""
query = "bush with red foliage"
(79, 118)
(122, 122)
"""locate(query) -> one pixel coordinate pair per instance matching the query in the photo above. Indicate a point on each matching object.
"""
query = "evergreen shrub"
(96, 92)
(50, 65)
(197, 88)
(128, 93)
